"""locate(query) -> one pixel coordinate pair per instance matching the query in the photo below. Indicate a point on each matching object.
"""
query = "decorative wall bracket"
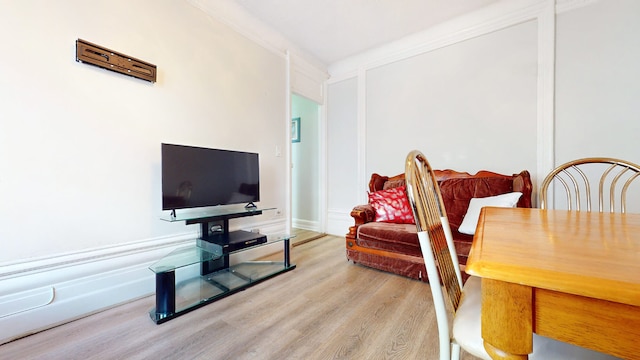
(93, 54)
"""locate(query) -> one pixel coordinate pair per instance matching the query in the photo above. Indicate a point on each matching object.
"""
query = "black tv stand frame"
(215, 230)
(209, 225)
(217, 279)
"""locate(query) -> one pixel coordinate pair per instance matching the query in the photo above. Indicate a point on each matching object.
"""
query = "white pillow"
(470, 220)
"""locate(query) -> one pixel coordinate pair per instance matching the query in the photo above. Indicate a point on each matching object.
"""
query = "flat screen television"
(200, 177)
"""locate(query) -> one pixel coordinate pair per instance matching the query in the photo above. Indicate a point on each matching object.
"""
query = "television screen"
(199, 177)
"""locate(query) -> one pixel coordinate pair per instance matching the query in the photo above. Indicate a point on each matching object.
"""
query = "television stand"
(189, 278)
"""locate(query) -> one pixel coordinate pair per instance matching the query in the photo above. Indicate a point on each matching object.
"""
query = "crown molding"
(238, 19)
(483, 21)
(567, 5)
(491, 18)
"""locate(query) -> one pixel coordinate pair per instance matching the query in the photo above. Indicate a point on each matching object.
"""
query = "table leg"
(507, 318)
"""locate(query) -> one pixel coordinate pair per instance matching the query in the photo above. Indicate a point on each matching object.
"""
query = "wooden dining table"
(569, 275)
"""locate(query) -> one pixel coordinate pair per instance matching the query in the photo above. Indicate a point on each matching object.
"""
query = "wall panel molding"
(484, 21)
(361, 139)
(28, 267)
(567, 5)
(546, 94)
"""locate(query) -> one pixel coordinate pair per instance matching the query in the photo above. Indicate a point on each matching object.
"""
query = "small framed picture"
(295, 130)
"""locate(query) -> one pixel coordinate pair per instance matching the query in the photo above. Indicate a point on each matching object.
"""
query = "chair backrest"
(436, 242)
(612, 177)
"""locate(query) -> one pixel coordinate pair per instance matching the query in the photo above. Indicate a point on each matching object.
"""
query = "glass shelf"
(195, 292)
(213, 212)
(195, 254)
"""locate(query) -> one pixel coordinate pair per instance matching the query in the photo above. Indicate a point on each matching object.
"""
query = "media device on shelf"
(198, 177)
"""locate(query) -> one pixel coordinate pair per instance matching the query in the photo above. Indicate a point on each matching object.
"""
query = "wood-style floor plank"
(327, 308)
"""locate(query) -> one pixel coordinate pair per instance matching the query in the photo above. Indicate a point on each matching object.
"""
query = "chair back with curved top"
(583, 179)
(436, 242)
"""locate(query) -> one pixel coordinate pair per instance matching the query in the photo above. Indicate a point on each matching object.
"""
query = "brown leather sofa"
(393, 247)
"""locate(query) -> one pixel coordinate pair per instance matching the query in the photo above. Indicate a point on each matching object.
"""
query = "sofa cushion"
(457, 193)
(392, 206)
(403, 238)
(470, 220)
(400, 238)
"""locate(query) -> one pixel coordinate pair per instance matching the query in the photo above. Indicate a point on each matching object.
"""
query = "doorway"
(306, 217)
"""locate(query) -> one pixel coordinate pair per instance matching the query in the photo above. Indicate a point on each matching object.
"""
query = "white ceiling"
(332, 30)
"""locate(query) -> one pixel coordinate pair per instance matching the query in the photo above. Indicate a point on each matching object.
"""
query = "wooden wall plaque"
(93, 54)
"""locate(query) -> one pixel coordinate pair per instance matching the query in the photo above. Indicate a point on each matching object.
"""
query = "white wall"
(598, 84)
(80, 163)
(469, 106)
(479, 92)
(342, 154)
(598, 81)
(84, 169)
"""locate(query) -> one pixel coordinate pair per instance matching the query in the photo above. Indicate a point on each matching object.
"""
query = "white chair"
(464, 304)
(613, 177)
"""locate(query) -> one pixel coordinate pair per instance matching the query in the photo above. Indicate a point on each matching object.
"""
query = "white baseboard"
(39, 294)
(306, 225)
(339, 221)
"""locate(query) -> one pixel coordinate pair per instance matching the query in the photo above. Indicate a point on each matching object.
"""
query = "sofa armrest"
(361, 214)
(522, 183)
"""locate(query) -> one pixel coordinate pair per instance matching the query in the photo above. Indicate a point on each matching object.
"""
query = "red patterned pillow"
(392, 205)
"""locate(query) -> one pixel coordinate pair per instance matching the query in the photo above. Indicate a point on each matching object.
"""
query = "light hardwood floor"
(327, 308)
(302, 236)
